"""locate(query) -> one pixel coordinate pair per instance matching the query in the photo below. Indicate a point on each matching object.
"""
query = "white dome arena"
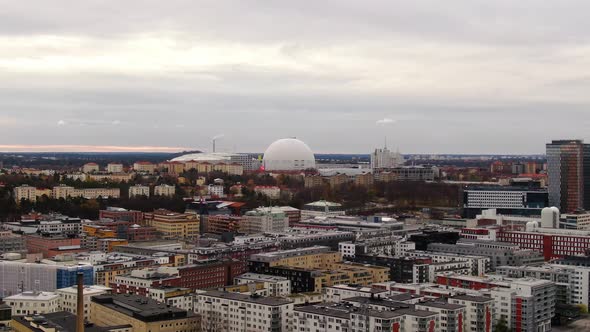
(288, 154)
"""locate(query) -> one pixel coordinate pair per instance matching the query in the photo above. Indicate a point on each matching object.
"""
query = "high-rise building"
(384, 159)
(568, 168)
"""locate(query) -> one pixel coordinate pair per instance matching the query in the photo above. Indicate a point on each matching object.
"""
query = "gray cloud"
(472, 76)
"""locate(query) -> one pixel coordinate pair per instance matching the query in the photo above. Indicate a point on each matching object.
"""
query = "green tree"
(501, 326)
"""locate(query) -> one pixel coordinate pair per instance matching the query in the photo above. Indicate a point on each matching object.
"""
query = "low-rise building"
(277, 286)
(143, 314)
(139, 190)
(33, 303)
(264, 220)
(11, 243)
(68, 297)
(90, 167)
(164, 190)
(62, 321)
(115, 168)
(272, 192)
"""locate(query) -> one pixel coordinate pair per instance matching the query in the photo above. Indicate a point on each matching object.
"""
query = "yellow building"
(173, 225)
(324, 267)
(98, 231)
(25, 192)
(306, 258)
(142, 314)
(144, 167)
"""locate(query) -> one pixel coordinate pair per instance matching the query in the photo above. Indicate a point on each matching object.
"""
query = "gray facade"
(500, 254)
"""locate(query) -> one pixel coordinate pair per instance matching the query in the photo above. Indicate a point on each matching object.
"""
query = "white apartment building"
(277, 286)
(479, 264)
(330, 317)
(390, 246)
(182, 298)
(164, 190)
(572, 282)
(225, 312)
(480, 312)
(63, 191)
(337, 293)
(90, 168)
(139, 190)
(68, 297)
(264, 220)
(451, 315)
(215, 190)
(76, 176)
(528, 305)
(272, 192)
(33, 303)
(115, 168)
(25, 192)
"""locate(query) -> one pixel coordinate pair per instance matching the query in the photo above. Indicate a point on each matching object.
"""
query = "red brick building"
(117, 214)
(50, 246)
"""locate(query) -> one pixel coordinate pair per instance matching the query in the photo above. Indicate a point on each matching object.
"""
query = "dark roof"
(63, 321)
(381, 302)
(141, 308)
(472, 298)
(270, 301)
(441, 305)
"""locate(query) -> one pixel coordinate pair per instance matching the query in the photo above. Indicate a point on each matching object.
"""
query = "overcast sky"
(433, 76)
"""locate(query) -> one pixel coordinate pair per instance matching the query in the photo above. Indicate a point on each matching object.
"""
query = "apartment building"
(164, 190)
(277, 286)
(173, 225)
(224, 312)
(33, 303)
(138, 191)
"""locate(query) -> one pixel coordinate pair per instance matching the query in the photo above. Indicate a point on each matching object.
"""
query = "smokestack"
(213, 145)
(80, 311)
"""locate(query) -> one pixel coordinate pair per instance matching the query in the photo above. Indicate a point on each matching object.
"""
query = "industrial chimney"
(80, 311)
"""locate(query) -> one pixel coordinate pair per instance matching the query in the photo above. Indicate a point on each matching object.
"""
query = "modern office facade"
(568, 168)
(506, 200)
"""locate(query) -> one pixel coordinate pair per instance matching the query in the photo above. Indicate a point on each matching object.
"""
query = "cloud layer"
(468, 77)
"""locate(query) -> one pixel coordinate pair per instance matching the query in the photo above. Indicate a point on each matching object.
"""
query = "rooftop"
(61, 321)
(441, 305)
(269, 301)
(343, 311)
(281, 254)
(33, 296)
(141, 308)
(261, 277)
(472, 298)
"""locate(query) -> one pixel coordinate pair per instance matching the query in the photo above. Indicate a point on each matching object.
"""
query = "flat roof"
(62, 321)
(441, 305)
(270, 301)
(141, 308)
(261, 277)
(36, 296)
(472, 298)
